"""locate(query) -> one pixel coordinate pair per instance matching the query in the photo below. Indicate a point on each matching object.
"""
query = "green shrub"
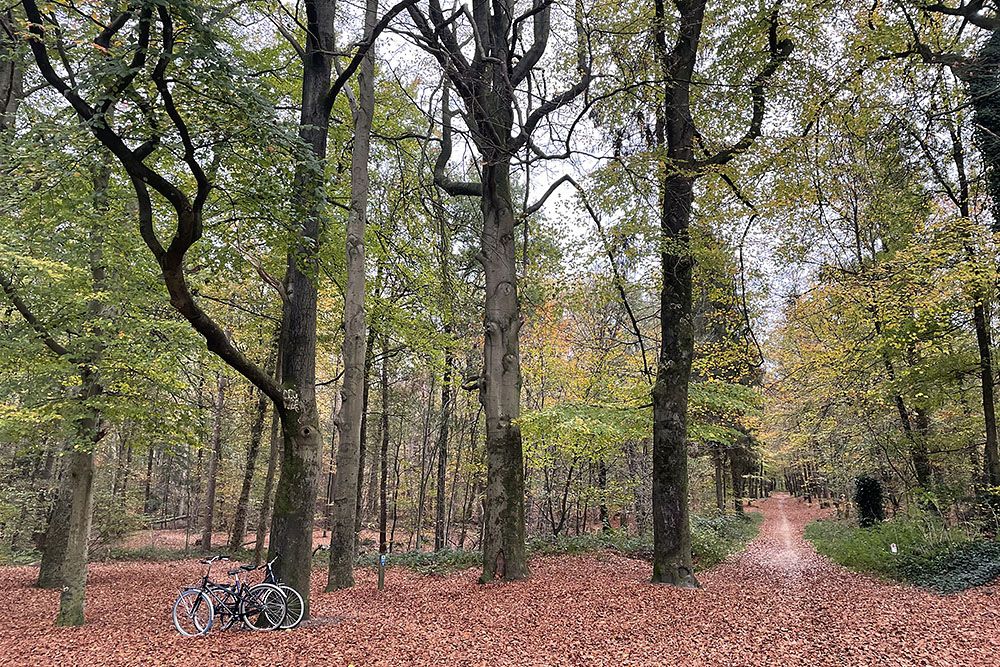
(713, 539)
(928, 554)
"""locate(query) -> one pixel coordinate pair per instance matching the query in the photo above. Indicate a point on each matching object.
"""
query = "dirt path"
(778, 603)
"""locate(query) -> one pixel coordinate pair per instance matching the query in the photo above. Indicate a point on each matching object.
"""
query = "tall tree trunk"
(89, 428)
(215, 457)
(302, 458)
(342, 535)
(671, 523)
(504, 553)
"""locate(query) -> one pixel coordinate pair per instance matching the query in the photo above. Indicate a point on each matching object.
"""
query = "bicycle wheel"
(193, 613)
(263, 607)
(294, 607)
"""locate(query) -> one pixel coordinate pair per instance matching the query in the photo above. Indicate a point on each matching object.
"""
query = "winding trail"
(777, 603)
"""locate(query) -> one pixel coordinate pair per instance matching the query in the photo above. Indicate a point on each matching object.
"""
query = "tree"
(488, 85)
(676, 137)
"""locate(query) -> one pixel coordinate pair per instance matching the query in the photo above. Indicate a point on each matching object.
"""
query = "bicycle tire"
(263, 607)
(193, 613)
(295, 607)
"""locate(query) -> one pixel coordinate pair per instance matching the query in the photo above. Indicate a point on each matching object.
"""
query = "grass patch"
(946, 561)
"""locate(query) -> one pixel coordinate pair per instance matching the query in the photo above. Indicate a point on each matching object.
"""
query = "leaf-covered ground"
(777, 603)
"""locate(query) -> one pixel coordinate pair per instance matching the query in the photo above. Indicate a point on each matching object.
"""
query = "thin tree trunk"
(363, 440)
(265, 502)
(720, 479)
(984, 343)
(215, 457)
(383, 505)
(447, 391)
(602, 484)
(342, 535)
(425, 469)
(256, 435)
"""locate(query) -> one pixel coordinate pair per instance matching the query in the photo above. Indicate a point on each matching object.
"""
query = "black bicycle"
(294, 606)
(258, 607)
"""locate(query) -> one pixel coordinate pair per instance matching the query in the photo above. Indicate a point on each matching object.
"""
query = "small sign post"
(382, 558)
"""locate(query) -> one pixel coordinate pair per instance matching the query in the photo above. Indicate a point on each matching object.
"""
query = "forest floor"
(777, 603)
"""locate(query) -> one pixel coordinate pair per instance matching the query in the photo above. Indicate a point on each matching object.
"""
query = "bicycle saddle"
(234, 572)
(248, 568)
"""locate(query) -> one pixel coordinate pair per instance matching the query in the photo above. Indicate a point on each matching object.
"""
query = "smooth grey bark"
(342, 532)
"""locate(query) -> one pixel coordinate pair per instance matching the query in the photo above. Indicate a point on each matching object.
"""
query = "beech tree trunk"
(504, 553)
(671, 522)
(89, 431)
(342, 534)
(302, 453)
(74, 566)
(57, 530)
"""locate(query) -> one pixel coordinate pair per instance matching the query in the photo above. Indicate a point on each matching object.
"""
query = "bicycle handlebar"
(209, 561)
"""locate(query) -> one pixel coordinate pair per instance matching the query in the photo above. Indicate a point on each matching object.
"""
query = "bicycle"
(294, 605)
(258, 607)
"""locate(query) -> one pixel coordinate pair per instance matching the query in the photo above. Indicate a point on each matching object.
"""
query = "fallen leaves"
(777, 603)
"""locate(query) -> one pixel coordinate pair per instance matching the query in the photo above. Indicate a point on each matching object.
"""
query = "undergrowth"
(713, 539)
(927, 554)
